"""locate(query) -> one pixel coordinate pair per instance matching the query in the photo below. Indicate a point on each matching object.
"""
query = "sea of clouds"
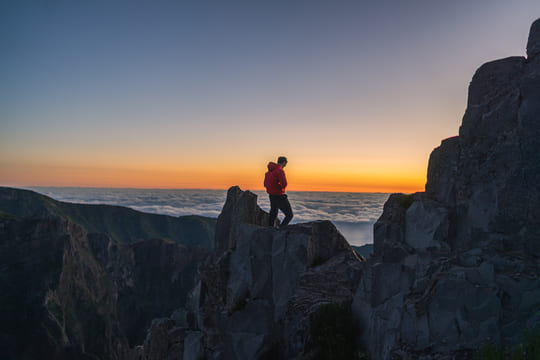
(353, 213)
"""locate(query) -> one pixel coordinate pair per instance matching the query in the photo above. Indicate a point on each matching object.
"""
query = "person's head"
(282, 160)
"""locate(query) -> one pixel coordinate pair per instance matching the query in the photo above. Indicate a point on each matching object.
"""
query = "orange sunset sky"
(165, 94)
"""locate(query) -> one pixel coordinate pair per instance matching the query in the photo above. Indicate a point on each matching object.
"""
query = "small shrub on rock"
(527, 349)
(333, 332)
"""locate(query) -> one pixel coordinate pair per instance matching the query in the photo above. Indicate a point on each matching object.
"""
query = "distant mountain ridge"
(122, 224)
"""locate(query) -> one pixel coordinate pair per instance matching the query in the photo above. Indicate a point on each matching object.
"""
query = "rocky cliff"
(68, 293)
(458, 265)
(258, 295)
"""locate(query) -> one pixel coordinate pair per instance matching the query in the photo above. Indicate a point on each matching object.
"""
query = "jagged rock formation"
(68, 293)
(257, 296)
(458, 265)
(240, 207)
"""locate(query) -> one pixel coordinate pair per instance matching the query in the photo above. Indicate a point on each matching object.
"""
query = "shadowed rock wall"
(458, 265)
(257, 295)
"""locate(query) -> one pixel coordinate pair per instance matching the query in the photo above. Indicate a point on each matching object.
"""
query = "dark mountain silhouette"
(124, 225)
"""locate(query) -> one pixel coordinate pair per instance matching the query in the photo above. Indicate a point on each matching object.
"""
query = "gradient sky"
(202, 94)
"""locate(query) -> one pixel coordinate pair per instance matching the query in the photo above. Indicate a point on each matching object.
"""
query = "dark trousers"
(280, 202)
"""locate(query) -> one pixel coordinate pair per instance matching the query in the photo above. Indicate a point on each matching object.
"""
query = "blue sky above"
(344, 83)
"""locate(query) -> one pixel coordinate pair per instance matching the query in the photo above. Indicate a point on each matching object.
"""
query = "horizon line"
(26, 187)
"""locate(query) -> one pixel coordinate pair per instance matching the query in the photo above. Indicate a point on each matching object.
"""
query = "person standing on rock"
(275, 183)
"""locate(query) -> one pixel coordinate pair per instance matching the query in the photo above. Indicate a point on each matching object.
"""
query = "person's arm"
(282, 179)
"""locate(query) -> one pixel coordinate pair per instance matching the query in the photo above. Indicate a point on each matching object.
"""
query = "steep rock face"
(489, 176)
(457, 266)
(71, 294)
(533, 45)
(48, 273)
(152, 277)
(22, 296)
(256, 297)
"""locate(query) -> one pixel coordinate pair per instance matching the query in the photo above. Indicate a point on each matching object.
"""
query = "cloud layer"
(353, 213)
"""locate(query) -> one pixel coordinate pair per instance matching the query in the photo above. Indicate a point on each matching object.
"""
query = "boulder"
(239, 208)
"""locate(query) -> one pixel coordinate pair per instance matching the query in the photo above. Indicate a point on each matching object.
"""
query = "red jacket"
(275, 181)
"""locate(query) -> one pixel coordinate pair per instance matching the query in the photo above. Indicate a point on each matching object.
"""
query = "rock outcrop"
(533, 45)
(257, 296)
(458, 265)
